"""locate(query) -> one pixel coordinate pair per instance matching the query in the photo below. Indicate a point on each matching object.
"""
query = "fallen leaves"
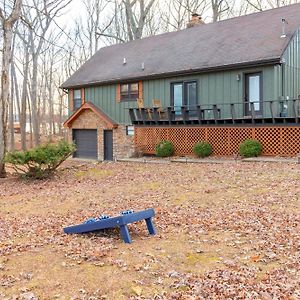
(224, 231)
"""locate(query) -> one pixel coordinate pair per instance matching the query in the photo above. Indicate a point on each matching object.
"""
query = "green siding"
(219, 88)
(105, 97)
(291, 69)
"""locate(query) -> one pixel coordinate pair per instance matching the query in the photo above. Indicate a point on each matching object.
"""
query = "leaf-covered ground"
(227, 231)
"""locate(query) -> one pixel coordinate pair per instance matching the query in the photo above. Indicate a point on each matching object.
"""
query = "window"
(129, 91)
(77, 99)
(130, 130)
(184, 94)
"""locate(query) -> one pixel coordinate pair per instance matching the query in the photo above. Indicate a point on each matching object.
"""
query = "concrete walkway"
(209, 160)
(271, 159)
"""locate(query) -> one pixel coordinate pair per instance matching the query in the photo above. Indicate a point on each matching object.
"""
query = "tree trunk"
(7, 28)
(34, 106)
(11, 118)
(6, 56)
(23, 117)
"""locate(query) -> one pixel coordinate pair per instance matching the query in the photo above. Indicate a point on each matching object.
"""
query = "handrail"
(272, 111)
(225, 103)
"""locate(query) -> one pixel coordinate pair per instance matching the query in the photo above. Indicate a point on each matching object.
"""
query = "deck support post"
(125, 234)
(150, 226)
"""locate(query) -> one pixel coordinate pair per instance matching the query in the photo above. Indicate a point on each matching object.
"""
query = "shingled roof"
(248, 40)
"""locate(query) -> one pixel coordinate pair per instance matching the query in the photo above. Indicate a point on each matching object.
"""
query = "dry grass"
(209, 217)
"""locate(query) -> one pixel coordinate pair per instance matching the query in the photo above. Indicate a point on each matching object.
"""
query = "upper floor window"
(77, 99)
(129, 91)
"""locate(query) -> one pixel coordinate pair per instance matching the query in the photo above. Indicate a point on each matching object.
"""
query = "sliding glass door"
(177, 97)
(184, 94)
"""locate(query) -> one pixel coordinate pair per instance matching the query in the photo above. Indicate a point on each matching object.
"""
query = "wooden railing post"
(233, 114)
(170, 114)
(199, 114)
(252, 111)
(185, 114)
(215, 111)
(144, 115)
(272, 112)
(138, 115)
(132, 115)
(295, 109)
(155, 115)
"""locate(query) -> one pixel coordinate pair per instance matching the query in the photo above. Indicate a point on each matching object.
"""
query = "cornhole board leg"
(125, 234)
(150, 226)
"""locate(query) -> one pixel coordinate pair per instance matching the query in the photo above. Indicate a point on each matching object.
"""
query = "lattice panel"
(282, 141)
(290, 141)
(145, 139)
(236, 136)
(178, 137)
(193, 136)
(270, 139)
(218, 137)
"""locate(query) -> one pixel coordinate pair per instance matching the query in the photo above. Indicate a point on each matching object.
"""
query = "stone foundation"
(123, 145)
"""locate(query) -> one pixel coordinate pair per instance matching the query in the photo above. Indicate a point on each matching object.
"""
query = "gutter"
(264, 62)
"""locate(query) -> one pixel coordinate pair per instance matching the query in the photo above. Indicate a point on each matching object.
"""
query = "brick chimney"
(195, 20)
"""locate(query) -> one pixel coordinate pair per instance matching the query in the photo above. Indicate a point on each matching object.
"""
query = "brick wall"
(123, 145)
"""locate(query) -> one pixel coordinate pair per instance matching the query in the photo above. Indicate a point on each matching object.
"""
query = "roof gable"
(254, 38)
(90, 106)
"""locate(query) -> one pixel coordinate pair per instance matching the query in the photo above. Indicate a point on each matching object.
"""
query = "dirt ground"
(226, 231)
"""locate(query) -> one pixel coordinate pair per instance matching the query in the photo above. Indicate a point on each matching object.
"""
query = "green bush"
(250, 148)
(40, 162)
(202, 149)
(164, 149)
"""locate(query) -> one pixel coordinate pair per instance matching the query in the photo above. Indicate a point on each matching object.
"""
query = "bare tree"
(267, 4)
(92, 22)
(219, 7)
(38, 19)
(136, 16)
(7, 28)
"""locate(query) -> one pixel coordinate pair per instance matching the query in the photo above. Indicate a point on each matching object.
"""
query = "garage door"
(86, 143)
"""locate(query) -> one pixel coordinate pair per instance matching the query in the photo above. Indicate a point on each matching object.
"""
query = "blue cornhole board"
(120, 221)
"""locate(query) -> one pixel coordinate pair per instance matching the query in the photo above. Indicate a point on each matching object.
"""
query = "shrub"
(250, 148)
(202, 149)
(40, 162)
(164, 149)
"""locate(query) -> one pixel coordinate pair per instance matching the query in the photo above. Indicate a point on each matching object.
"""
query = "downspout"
(282, 80)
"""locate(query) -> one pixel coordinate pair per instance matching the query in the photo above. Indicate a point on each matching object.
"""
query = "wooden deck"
(214, 114)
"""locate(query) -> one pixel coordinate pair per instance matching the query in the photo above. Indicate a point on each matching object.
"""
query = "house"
(222, 82)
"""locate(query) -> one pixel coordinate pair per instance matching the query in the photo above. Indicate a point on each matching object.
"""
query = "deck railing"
(273, 112)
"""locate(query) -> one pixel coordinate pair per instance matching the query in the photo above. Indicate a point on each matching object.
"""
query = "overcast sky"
(76, 8)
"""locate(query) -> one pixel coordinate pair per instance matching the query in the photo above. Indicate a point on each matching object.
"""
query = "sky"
(76, 8)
